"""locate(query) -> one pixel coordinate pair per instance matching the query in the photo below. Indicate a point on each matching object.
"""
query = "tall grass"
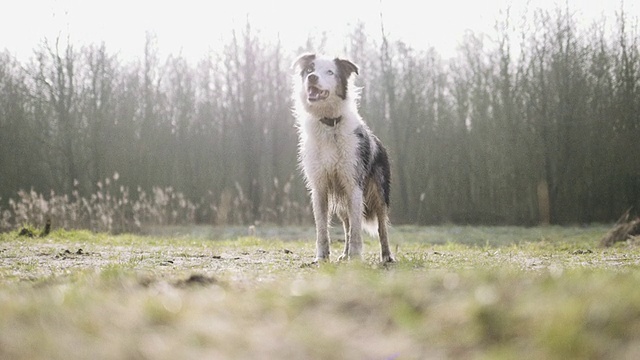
(115, 208)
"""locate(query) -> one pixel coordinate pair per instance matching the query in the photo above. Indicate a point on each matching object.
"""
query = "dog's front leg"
(355, 225)
(345, 226)
(320, 202)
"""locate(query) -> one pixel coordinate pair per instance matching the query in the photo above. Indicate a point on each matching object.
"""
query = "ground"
(455, 292)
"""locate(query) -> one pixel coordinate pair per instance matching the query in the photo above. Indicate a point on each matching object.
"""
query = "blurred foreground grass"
(456, 292)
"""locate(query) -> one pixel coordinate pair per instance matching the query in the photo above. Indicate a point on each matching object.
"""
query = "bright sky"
(194, 27)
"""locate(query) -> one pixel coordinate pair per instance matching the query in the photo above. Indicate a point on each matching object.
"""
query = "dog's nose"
(312, 78)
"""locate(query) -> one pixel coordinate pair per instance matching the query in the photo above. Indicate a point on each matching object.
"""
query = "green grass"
(455, 292)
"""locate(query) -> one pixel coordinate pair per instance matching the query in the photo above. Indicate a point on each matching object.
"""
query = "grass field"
(455, 292)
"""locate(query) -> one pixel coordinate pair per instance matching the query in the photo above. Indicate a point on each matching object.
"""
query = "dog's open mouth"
(315, 94)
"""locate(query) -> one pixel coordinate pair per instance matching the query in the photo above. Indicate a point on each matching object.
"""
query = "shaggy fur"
(345, 165)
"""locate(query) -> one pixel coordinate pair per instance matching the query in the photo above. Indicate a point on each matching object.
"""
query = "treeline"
(545, 133)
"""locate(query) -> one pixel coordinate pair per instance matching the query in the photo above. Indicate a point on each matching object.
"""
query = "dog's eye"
(329, 72)
(308, 70)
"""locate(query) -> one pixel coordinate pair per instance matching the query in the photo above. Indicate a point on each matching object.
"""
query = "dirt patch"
(196, 280)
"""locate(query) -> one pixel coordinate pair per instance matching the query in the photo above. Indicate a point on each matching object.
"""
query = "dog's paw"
(320, 260)
(315, 263)
(388, 259)
(309, 265)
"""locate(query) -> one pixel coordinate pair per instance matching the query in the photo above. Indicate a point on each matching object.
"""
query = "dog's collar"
(331, 121)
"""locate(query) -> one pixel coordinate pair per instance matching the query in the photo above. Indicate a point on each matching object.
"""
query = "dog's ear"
(346, 67)
(303, 60)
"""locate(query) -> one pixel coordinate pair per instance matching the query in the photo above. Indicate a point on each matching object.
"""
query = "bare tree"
(56, 75)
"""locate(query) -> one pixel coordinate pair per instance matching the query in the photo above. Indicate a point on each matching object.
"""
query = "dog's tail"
(370, 225)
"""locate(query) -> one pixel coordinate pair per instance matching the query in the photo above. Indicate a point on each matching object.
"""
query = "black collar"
(331, 121)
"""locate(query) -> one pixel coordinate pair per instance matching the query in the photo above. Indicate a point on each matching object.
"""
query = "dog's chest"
(330, 153)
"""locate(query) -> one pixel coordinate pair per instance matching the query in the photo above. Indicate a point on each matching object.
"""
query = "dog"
(346, 167)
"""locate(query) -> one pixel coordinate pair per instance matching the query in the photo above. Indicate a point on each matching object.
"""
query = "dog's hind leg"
(320, 202)
(383, 223)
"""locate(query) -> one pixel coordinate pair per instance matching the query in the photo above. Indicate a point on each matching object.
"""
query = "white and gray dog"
(344, 163)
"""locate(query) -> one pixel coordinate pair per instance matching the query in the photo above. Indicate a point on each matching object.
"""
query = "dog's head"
(323, 82)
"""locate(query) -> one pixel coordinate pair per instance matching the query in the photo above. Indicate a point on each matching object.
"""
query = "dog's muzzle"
(314, 93)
